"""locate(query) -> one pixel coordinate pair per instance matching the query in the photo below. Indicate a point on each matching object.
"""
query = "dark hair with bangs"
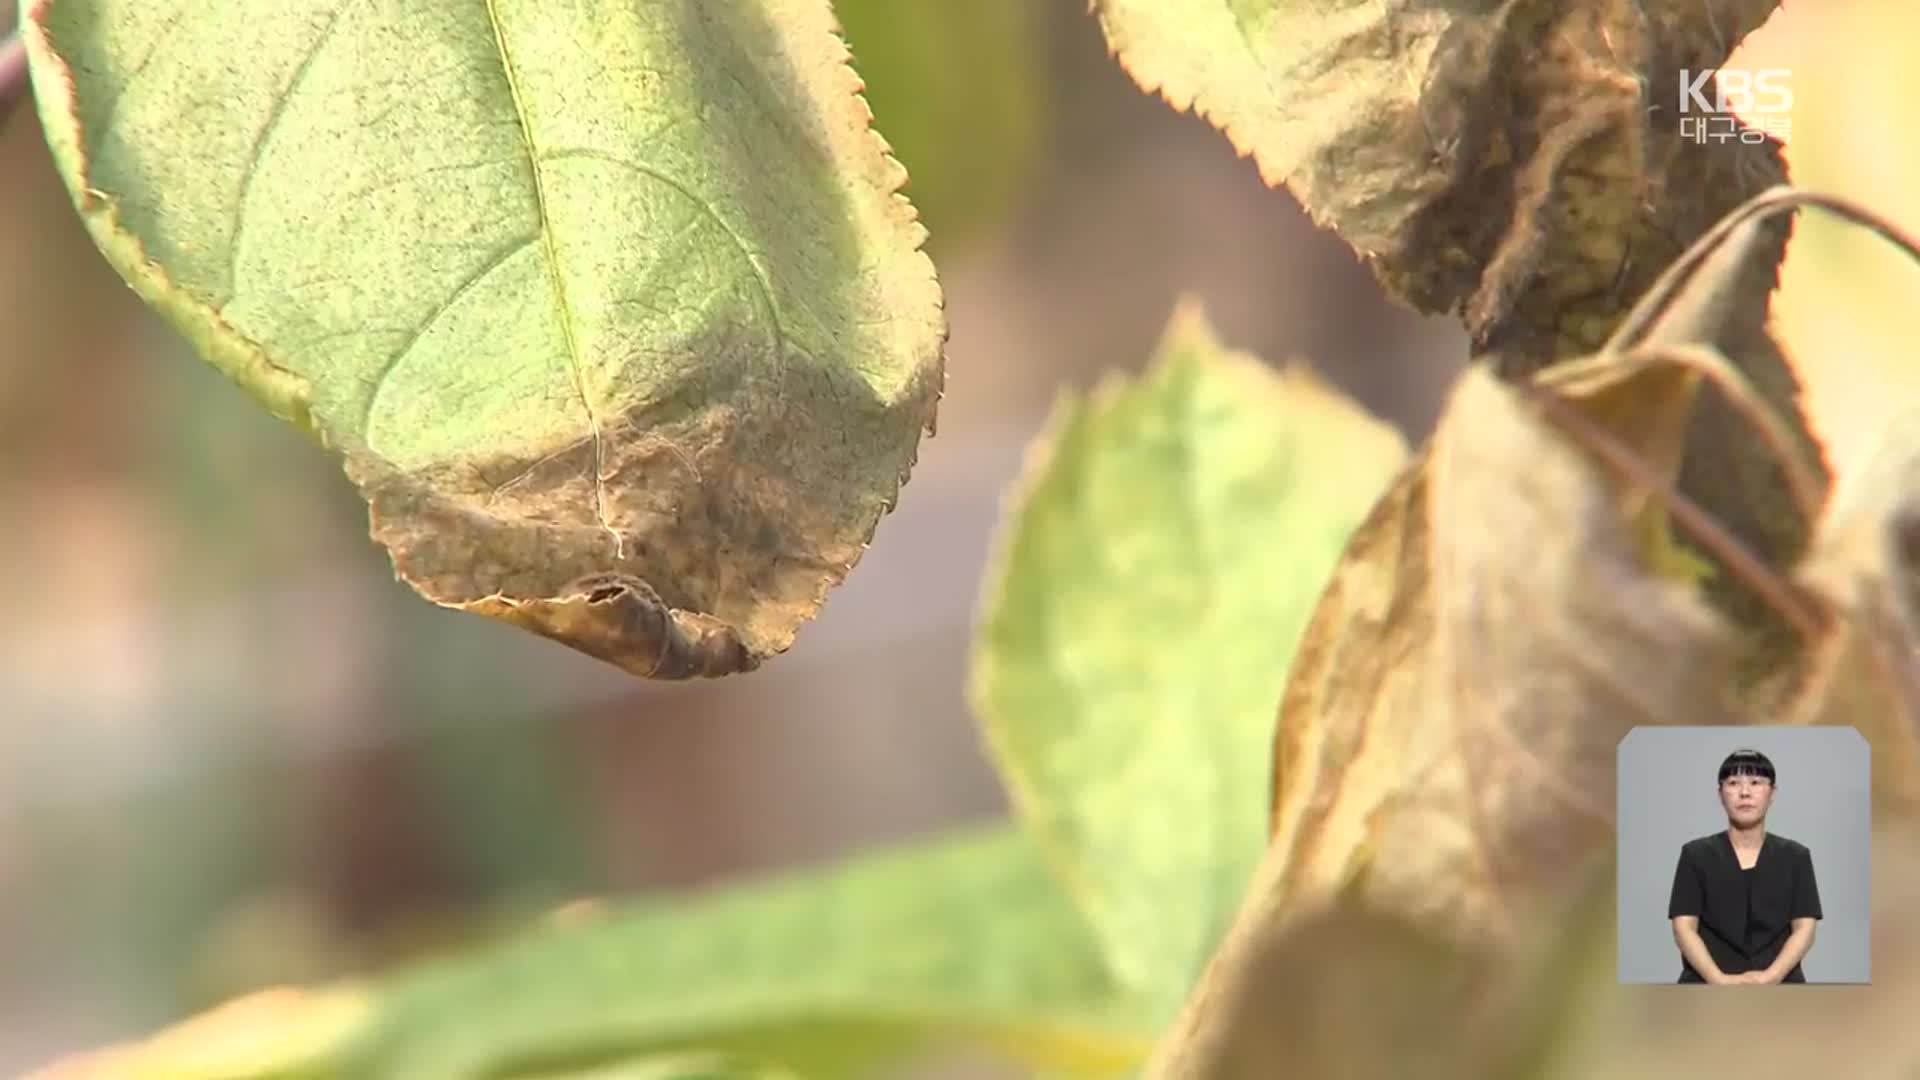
(1746, 763)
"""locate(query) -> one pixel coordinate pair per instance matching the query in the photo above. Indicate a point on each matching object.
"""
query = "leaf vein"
(160, 40)
(384, 375)
(258, 150)
(762, 281)
(567, 329)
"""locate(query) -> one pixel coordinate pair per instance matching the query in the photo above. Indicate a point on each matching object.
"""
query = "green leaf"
(614, 311)
(964, 942)
(1157, 567)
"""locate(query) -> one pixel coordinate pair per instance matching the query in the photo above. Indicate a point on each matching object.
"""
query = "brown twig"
(1775, 200)
(1803, 482)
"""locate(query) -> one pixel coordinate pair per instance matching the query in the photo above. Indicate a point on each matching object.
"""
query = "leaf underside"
(614, 312)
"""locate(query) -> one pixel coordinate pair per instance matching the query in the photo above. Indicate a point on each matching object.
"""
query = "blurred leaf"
(650, 406)
(1494, 630)
(966, 941)
(1508, 614)
(1444, 746)
(1353, 990)
(1491, 634)
(1156, 568)
(958, 89)
(1866, 563)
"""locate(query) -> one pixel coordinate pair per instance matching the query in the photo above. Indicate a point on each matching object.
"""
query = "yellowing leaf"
(1156, 568)
(613, 309)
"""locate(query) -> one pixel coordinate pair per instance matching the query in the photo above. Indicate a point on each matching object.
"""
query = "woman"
(1744, 903)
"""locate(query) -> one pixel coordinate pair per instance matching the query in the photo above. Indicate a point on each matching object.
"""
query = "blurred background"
(234, 752)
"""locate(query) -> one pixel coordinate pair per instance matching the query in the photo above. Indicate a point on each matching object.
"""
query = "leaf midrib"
(564, 308)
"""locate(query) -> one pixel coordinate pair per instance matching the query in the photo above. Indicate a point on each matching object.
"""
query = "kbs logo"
(1713, 101)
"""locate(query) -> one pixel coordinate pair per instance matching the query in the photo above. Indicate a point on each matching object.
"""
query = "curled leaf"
(616, 314)
(1492, 633)
(1445, 747)
(1446, 742)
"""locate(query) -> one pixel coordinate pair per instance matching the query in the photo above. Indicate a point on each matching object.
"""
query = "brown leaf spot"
(693, 541)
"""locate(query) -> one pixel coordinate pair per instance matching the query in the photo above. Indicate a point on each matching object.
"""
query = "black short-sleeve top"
(1744, 917)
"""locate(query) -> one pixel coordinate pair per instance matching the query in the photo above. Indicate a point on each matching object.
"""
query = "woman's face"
(1746, 799)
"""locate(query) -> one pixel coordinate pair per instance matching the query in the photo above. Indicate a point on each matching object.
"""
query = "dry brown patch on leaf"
(1493, 634)
(640, 368)
(689, 541)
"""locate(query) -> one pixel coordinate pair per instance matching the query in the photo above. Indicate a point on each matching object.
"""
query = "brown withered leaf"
(1517, 161)
(1445, 695)
(1521, 163)
(1350, 987)
(1511, 609)
(1351, 990)
(1446, 744)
